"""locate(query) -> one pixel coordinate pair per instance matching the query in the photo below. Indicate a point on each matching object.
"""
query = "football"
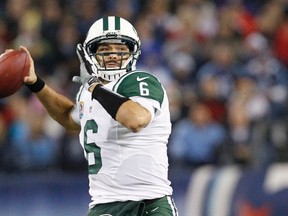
(14, 66)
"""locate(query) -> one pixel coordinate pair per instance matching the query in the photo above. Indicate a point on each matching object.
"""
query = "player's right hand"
(32, 77)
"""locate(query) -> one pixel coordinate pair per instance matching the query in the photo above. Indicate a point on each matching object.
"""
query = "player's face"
(112, 55)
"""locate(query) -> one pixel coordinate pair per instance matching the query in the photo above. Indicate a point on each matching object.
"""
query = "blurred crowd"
(223, 63)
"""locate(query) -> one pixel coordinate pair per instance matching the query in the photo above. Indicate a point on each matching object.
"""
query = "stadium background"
(229, 56)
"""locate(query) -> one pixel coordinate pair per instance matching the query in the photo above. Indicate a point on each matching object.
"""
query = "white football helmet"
(113, 29)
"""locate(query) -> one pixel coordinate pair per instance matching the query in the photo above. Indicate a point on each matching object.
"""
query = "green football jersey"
(124, 165)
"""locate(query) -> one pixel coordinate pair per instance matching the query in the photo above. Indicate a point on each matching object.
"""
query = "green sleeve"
(141, 84)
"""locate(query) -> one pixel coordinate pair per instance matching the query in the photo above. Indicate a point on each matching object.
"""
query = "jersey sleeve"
(141, 84)
(148, 104)
(75, 114)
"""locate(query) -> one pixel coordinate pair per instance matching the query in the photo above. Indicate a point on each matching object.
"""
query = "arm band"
(109, 100)
(37, 86)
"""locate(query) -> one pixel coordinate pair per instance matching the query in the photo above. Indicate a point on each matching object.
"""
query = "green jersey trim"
(140, 83)
(79, 93)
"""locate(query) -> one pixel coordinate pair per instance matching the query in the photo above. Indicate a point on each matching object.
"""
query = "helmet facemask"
(127, 59)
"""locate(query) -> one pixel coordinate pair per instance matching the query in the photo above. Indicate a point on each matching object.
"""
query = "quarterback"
(122, 116)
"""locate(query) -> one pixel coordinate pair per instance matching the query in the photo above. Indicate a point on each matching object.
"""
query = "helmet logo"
(111, 34)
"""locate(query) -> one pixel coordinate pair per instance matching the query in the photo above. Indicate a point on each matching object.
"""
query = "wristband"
(37, 86)
(108, 99)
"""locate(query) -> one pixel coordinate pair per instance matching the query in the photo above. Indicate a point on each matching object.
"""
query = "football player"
(123, 120)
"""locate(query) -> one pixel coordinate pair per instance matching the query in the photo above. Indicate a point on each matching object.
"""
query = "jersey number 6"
(93, 152)
(144, 91)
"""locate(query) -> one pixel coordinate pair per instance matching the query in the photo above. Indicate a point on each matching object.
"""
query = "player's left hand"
(88, 70)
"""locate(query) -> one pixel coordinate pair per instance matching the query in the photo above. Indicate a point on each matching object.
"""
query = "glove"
(87, 69)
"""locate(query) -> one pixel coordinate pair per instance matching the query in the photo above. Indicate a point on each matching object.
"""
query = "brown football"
(14, 66)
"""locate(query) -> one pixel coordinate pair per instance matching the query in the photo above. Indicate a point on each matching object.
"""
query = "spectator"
(208, 92)
(247, 123)
(223, 65)
(269, 73)
(197, 139)
(30, 148)
(280, 40)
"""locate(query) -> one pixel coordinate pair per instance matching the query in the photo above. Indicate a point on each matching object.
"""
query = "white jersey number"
(144, 91)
